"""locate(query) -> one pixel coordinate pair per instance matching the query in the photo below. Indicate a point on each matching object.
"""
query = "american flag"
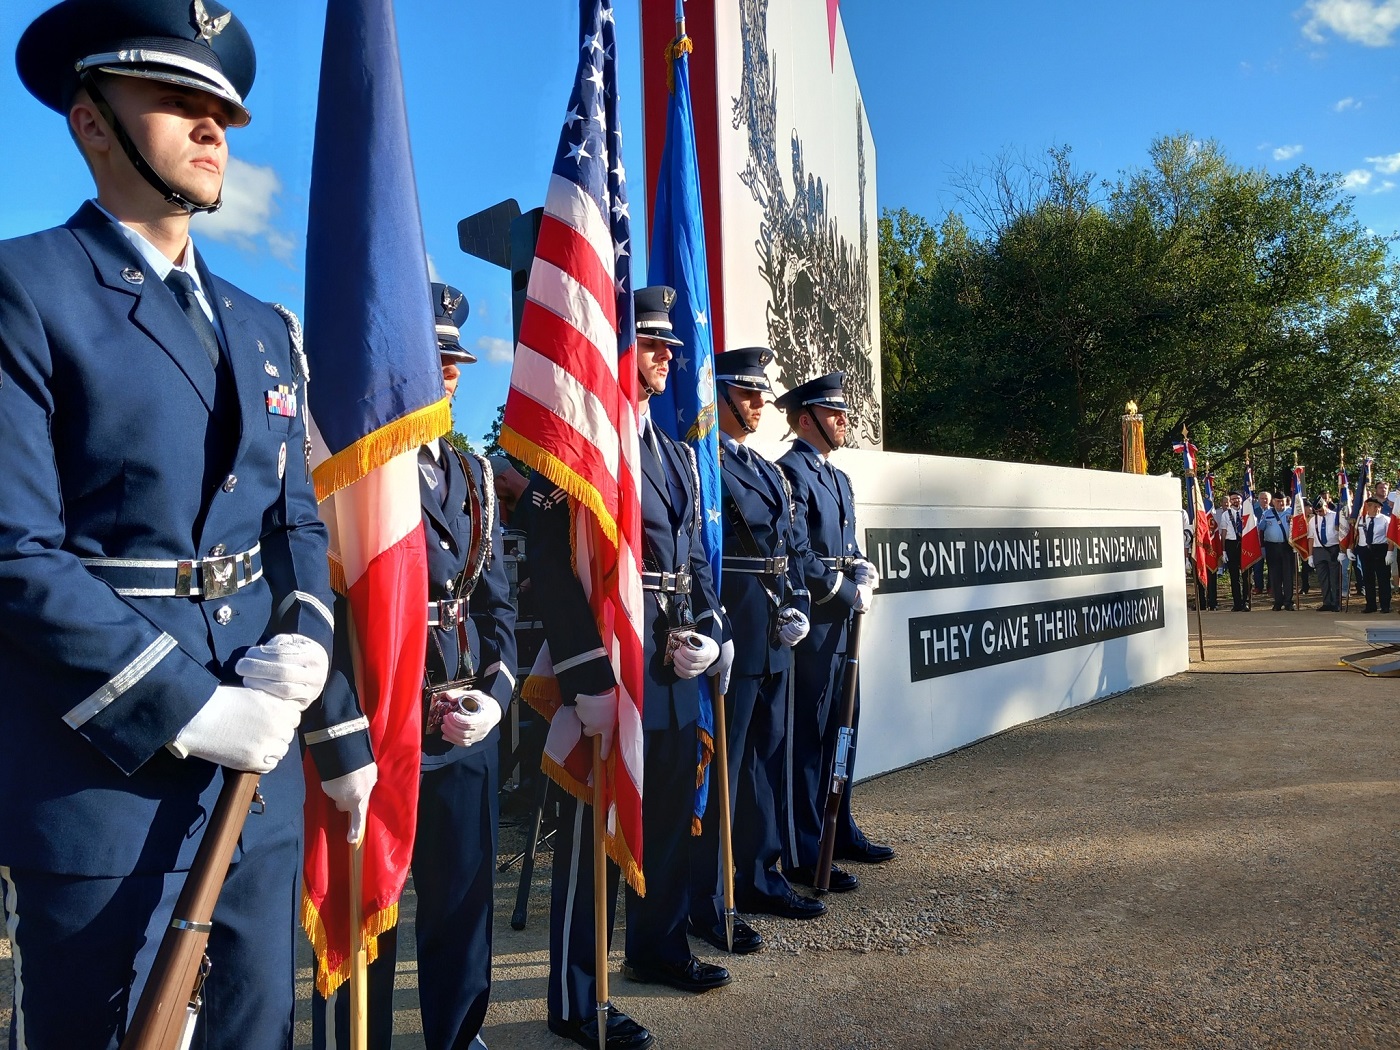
(572, 412)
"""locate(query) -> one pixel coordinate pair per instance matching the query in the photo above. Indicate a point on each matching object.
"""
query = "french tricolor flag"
(376, 396)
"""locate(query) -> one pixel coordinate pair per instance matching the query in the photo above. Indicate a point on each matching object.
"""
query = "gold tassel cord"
(675, 50)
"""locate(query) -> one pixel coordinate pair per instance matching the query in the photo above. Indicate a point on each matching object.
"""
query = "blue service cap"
(450, 310)
(822, 392)
(196, 44)
(653, 307)
(744, 368)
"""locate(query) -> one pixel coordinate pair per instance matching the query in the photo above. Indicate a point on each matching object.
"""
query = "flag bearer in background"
(684, 631)
(1274, 527)
(767, 606)
(166, 610)
(1370, 540)
(1328, 530)
(682, 627)
(468, 681)
(841, 582)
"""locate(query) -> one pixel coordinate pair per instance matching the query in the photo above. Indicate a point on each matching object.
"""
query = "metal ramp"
(1382, 657)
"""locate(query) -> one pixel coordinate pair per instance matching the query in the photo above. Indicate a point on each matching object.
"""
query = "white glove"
(350, 793)
(719, 670)
(865, 597)
(471, 721)
(599, 717)
(289, 666)
(793, 627)
(695, 653)
(1311, 563)
(240, 728)
(1390, 556)
(863, 572)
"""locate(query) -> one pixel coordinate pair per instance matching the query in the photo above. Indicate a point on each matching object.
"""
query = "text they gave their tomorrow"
(954, 642)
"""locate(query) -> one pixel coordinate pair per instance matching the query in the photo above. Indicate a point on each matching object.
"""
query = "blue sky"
(947, 87)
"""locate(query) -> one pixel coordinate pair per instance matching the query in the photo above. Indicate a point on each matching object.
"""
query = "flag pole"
(359, 954)
(726, 818)
(600, 896)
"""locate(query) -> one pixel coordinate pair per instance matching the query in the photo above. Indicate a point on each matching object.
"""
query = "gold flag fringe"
(373, 450)
(522, 448)
(327, 980)
(707, 758)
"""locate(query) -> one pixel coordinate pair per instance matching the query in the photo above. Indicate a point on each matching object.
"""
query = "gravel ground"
(1207, 862)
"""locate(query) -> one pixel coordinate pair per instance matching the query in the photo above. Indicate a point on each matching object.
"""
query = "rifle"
(839, 772)
(169, 1005)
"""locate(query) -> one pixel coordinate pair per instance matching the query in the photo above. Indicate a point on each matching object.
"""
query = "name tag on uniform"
(282, 402)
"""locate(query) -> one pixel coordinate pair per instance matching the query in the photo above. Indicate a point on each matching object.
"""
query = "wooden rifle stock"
(165, 1008)
(839, 773)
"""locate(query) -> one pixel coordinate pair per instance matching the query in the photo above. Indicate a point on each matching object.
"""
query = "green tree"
(1245, 305)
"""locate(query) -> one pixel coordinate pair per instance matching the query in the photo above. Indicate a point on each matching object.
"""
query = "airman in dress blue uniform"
(165, 607)
(469, 679)
(767, 603)
(677, 590)
(842, 582)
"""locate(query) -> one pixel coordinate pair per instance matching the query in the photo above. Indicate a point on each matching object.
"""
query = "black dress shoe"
(746, 938)
(866, 853)
(623, 1032)
(791, 905)
(841, 881)
(690, 976)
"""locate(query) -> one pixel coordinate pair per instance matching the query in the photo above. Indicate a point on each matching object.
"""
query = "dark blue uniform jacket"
(114, 446)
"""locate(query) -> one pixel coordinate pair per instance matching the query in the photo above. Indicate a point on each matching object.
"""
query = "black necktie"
(182, 285)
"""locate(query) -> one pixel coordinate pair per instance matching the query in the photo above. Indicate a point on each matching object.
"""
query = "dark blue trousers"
(757, 733)
(656, 923)
(454, 856)
(83, 947)
(573, 984)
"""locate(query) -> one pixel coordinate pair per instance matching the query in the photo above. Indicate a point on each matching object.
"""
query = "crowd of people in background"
(1347, 547)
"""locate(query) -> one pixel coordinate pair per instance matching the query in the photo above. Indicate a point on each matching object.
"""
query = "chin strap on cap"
(830, 444)
(724, 390)
(139, 162)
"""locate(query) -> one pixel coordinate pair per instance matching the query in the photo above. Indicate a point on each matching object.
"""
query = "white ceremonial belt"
(446, 613)
(758, 566)
(208, 578)
(669, 582)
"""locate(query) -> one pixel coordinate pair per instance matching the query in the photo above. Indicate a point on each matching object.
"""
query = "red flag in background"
(1298, 523)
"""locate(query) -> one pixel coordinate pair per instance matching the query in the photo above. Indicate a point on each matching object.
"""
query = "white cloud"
(1388, 165)
(498, 351)
(250, 205)
(1385, 187)
(1357, 179)
(1368, 22)
(1342, 105)
(1287, 152)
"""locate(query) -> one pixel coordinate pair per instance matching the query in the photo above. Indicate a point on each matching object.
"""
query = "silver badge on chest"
(281, 461)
